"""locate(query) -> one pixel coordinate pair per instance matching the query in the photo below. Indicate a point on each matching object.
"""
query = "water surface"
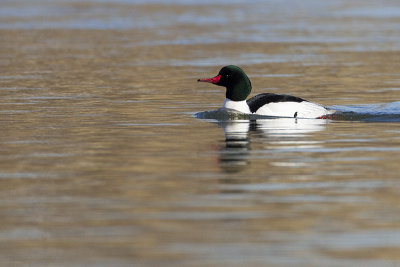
(104, 162)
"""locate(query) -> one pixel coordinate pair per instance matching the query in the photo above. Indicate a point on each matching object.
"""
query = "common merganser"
(238, 88)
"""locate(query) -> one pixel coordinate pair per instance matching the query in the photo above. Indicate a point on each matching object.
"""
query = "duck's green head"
(238, 85)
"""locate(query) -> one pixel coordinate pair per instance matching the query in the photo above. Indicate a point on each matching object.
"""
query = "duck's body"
(286, 106)
(238, 87)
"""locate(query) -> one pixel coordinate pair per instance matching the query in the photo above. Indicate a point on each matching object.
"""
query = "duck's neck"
(240, 106)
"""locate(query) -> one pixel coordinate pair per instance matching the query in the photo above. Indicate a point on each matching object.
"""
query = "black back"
(260, 100)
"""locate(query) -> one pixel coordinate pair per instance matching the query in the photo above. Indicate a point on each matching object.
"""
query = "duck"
(238, 88)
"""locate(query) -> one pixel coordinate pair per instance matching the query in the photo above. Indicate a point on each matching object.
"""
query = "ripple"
(27, 175)
(358, 185)
(246, 58)
(19, 88)
(149, 124)
(18, 77)
(381, 112)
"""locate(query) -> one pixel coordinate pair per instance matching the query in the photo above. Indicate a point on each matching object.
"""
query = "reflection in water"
(290, 127)
(234, 157)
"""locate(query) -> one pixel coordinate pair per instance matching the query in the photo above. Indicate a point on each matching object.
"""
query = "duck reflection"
(234, 156)
(289, 127)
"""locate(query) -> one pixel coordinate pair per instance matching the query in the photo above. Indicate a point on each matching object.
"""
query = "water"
(113, 155)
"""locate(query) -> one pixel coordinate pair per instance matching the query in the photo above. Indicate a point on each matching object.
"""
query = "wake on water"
(388, 112)
(385, 112)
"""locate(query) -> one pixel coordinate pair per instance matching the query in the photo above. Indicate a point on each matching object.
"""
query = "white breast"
(240, 106)
(294, 109)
